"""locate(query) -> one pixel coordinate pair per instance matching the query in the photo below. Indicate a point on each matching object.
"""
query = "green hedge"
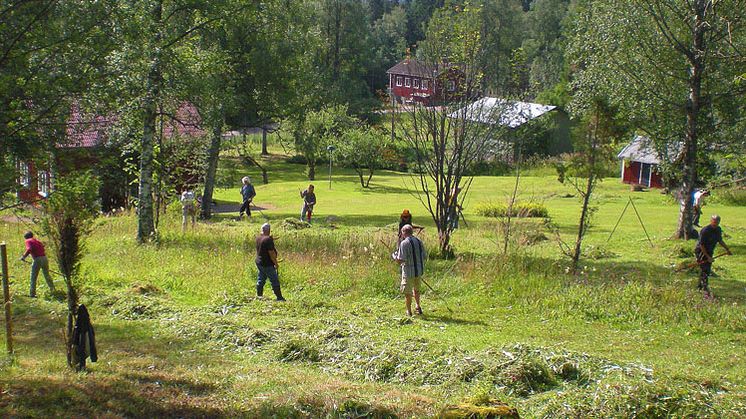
(520, 209)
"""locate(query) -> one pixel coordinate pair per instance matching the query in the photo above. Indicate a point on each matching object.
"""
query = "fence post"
(6, 300)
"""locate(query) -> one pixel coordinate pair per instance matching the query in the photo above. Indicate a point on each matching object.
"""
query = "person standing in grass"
(698, 202)
(188, 209)
(266, 263)
(406, 218)
(709, 237)
(309, 200)
(35, 248)
(411, 255)
(247, 194)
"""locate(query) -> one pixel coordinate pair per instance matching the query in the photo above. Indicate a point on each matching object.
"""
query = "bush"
(520, 209)
(733, 196)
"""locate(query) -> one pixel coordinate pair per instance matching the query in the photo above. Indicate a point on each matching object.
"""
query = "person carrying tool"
(188, 209)
(309, 200)
(697, 203)
(406, 218)
(266, 263)
(411, 255)
(709, 237)
(247, 194)
(35, 248)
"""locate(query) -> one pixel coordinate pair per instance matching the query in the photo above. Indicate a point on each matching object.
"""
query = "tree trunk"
(696, 70)
(213, 155)
(264, 142)
(311, 170)
(583, 223)
(145, 222)
(370, 176)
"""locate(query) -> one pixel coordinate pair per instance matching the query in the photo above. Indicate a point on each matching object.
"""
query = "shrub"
(520, 209)
(733, 196)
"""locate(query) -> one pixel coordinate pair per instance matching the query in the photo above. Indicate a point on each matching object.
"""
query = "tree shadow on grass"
(449, 319)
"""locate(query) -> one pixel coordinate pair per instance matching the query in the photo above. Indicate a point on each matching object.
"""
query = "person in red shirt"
(35, 248)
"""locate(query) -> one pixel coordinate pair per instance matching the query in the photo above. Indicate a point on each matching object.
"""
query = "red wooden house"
(412, 81)
(640, 163)
(85, 139)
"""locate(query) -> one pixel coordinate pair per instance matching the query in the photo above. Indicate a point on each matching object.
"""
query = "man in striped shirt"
(411, 255)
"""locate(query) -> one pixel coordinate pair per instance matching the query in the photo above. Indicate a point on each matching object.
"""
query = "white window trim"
(451, 86)
(416, 83)
(24, 178)
(398, 80)
(424, 84)
(43, 183)
(407, 82)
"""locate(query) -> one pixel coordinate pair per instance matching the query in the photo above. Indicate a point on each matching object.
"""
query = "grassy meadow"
(181, 333)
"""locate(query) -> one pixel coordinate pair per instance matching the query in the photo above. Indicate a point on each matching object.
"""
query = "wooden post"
(6, 300)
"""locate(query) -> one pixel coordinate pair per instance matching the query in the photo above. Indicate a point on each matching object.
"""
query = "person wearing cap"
(697, 203)
(406, 218)
(709, 237)
(309, 200)
(411, 255)
(266, 263)
(35, 248)
(247, 194)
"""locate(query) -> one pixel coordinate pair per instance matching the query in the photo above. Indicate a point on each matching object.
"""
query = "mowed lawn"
(182, 334)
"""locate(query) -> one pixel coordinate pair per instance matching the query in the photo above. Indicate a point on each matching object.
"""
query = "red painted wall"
(407, 92)
(631, 175)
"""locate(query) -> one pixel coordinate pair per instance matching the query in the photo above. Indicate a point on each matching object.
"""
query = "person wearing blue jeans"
(266, 263)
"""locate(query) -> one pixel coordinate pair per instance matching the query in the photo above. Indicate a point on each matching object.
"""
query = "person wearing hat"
(406, 218)
(697, 203)
(247, 194)
(266, 263)
(709, 237)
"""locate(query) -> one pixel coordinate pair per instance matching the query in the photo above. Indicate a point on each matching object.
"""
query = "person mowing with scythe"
(411, 255)
(309, 200)
(709, 237)
(267, 263)
(247, 194)
(406, 218)
(35, 248)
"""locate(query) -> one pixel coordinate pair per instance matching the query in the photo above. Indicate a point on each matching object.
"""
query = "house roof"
(88, 131)
(511, 114)
(641, 150)
(84, 131)
(411, 67)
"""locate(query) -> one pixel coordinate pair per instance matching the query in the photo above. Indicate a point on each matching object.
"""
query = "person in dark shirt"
(266, 263)
(709, 237)
(309, 200)
(247, 195)
(406, 218)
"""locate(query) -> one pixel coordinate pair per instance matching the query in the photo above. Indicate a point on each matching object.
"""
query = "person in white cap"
(266, 263)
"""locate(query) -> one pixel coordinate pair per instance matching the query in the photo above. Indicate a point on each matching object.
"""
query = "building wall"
(407, 92)
(631, 174)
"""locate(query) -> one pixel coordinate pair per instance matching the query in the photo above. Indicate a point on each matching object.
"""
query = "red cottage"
(640, 164)
(411, 81)
(85, 138)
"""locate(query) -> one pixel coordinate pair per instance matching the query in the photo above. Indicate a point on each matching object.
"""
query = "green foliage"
(520, 210)
(68, 217)
(365, 149)
(732, 196)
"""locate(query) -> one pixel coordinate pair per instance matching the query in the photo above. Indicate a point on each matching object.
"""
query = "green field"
(181, 333)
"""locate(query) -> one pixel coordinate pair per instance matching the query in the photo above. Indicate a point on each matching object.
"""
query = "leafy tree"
(318, 129)
(68, 218)
(365, 150)
(595, 140)
(671, 66)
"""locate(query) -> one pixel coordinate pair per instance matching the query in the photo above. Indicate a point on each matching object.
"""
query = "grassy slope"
(199, 344)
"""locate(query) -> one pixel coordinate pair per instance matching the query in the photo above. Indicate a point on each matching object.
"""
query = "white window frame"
(416, 83)
(43, 183)
(451, 85)
(425, 83)
(24, 175)
(399, 80)
(407, 82)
